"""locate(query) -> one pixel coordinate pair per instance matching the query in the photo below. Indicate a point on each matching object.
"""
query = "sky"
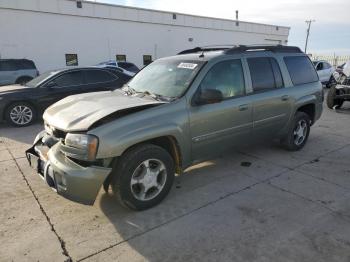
(329, 34)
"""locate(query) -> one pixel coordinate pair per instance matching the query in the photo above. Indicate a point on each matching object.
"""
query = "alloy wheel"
(148, 179)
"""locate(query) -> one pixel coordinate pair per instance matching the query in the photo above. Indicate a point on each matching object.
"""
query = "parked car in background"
(325, 72)
(124, 67)
(17, 71)
(176, 112)
(21, 105)
(340, 91)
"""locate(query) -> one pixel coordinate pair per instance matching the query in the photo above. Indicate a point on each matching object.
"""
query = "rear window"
(300, 70)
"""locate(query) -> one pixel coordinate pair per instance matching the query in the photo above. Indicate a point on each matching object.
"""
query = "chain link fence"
(332, 59)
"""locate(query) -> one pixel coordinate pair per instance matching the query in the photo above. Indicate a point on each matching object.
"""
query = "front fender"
(115, 145)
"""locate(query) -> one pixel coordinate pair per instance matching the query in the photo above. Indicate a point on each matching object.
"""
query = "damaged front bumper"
(62, 174)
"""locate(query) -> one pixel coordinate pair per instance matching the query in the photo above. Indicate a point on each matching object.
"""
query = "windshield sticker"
(187, 65)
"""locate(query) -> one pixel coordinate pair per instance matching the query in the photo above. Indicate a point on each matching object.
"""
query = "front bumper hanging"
(63, 175)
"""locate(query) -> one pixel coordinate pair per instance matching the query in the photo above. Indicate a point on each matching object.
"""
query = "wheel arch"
(167, 142)
(309, 109)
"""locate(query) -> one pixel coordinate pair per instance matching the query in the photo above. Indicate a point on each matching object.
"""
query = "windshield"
(169, 78)
(38, 80)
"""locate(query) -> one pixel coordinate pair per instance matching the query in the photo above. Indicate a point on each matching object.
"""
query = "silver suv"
(17, 71)
(176, 112)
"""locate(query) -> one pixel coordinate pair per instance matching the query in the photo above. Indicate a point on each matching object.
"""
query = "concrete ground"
(259, 204)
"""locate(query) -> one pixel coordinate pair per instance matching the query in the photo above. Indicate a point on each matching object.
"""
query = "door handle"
(285, 97)
(243, 107)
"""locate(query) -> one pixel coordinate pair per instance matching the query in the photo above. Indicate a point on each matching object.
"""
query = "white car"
(325, 71)
(124, 67)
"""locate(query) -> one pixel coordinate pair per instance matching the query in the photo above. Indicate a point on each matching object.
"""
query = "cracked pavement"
(259, 204)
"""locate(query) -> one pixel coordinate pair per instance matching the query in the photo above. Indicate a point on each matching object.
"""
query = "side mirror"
(50, 84)
(209, 96)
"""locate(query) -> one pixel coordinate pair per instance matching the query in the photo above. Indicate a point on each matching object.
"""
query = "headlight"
(86, 143)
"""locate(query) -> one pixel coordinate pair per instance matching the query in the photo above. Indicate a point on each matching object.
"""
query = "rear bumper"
(66, 177)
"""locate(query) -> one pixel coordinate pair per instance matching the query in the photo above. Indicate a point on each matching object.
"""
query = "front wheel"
(20, 114)
(143, 176)
(298, 133)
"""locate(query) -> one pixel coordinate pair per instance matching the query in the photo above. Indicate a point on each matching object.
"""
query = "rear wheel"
(331, 82)
(331, 100)
(20, 114)
(143, 176)
(298, 133)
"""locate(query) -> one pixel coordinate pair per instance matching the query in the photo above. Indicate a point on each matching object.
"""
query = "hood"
(79, 112)
(12, 89)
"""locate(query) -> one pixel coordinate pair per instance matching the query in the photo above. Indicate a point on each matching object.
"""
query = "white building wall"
(46, 30)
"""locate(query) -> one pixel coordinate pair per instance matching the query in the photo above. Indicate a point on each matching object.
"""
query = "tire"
(138, 187)
(291, 142)
(23, 80)
(331, 82)
(331, 101)
(27, 117)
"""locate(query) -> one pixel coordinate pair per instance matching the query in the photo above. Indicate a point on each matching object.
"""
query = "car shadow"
(199, 185)
(345, 109)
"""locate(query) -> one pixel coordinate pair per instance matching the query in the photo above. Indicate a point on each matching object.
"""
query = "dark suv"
(17, 71)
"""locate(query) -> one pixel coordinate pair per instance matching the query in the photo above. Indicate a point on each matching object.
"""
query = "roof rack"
(234, 49)
(272, 48)
(206, 49)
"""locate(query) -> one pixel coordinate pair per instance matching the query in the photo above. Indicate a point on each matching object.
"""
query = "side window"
(319, 66)
(27, 64)
(265, 73)
(98, 76)
(8, 65)
(227, 77)
(69, 79)
(300, 69)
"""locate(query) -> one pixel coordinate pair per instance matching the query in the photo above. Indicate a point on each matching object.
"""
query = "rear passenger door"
(271, 102)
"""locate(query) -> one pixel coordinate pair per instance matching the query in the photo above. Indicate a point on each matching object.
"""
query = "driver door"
(216, 127)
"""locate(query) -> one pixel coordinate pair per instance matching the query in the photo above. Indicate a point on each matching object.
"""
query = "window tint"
(300, 69)
(319, 66)
(26, 64)
(69, 79)
(98, 76)
(262, 73)
(227, 77)
(8, 65)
